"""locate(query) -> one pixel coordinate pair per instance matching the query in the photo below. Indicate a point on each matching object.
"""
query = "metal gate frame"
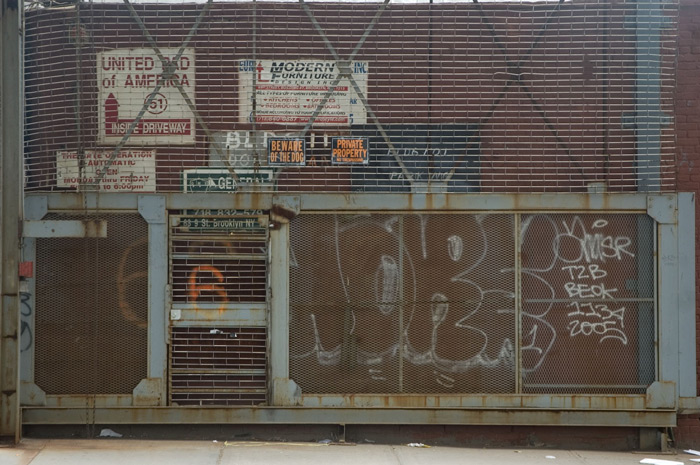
(675, 387)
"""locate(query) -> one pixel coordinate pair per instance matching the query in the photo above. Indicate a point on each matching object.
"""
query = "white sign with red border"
(131, 171)
(126, 78)
(289, 91)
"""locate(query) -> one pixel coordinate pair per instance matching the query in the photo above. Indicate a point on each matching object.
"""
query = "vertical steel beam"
(279, 310)
(686, 295)
(35, 208)
(668, 317)
(152, 209)
(648, 115)
(11, 116)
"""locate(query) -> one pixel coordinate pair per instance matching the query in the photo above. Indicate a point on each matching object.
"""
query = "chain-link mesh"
(92, 308)
(588, 293)
(403, 303)
(432, 303)
(409, 97)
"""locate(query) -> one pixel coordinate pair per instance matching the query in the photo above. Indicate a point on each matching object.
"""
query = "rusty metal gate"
(218, 276)
(472, 303)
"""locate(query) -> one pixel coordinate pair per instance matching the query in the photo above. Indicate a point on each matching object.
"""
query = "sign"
(242, 148)
(350, 151)
(126, 79)
(222, 219)
(289, 91)
(434, 157)
(286, 152)
(220, 180)
(131, 171)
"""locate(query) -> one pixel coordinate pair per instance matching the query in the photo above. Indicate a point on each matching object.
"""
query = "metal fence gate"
(472, 303)
(218, 276)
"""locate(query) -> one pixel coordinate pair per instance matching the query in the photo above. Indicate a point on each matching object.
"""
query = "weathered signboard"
(289, 91)
(243, 149)
(442, 157)
(286, 152)
(131, 170)
(126, 78)
(220, 180)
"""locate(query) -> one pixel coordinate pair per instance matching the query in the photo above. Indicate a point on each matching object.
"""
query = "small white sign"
(127, 78)
(131, 171)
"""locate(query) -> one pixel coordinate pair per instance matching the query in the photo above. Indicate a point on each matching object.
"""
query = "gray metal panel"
(668, 302)
(34, 209)
(686, 295)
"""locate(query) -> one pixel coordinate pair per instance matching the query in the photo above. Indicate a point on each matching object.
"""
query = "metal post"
(279, 312)
(11, 116)
(648, 115)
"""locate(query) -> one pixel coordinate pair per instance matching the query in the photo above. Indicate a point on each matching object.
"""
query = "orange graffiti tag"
(195, 289)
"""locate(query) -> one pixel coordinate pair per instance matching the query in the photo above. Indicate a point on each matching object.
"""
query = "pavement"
(113, 451)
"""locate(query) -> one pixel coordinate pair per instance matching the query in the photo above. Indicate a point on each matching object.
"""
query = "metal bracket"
(663, 208)
(284, 209)
(152, 208)
(36, 207)
(662, 395)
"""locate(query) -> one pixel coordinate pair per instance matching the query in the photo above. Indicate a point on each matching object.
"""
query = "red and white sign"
(289, 91)
(131, 170)
(126, 79)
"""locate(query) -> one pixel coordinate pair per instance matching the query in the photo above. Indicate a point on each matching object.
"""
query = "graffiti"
(125, 279)
(585, 255)
(26, 311)
(459, 302)
(195, 289)
(397, 277)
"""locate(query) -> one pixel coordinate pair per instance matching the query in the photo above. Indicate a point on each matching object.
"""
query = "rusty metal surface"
(331, 202)
(300, 415)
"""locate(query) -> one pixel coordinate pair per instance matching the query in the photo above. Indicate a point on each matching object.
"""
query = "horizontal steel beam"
(64, 228)
(560, 202)
(365, 416)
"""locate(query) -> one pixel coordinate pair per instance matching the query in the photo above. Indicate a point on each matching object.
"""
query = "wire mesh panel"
(393, 96)
(438, 303)
(588, 298)
(92, 309)
(402, 303)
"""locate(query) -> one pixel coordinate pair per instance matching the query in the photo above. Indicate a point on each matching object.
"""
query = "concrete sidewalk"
(168, 452)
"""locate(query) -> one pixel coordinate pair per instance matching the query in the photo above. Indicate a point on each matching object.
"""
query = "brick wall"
(687, 116)
(547, 86)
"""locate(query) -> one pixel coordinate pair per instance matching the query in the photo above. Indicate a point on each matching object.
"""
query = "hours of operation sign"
(127, 78)
(289, 91)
